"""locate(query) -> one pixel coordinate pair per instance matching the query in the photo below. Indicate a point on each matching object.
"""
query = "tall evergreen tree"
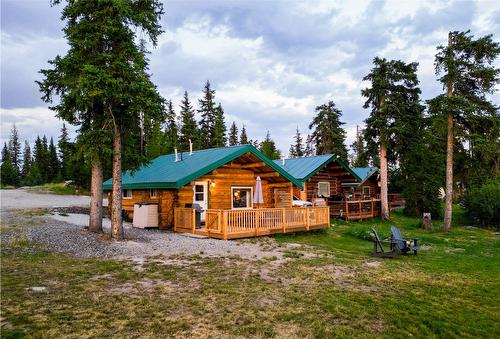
(327, 132)
(189, 128)
(233, 135)
(15, 149)
(8, 173)
(243, 136)
(394, 89)
(53, 173)
(65, 150)
(268, 148)
(5, 152)
(171, 130)
(156, 141)
(207, 110)
(360, 158)
(309, 148)
(104, 86)
(297, 148)
(219, 138)
(27, 160)
(466, 70)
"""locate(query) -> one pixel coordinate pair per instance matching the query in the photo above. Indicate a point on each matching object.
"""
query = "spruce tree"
(27, 160)
(171, 130)
(466, 69)
(189, 128)
(360, 155)
(393, 93)
(243, 136)
(268, 148)
(65, 148)
(327, 133)
(309, 148)
(53, 173)
(104, 86)
(156, 141)
(297, 148)
(8, 173)
(233, 135)
(5, 152)
(207, 110)
(219, 138)
(15, 149)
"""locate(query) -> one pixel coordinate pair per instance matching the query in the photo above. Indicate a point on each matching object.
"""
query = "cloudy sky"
(270, 62)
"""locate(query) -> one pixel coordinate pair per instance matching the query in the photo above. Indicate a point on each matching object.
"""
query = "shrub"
(482, 204)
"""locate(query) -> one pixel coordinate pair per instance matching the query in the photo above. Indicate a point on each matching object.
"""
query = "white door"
(200, 196)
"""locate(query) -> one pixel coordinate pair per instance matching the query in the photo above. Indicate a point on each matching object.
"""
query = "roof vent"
(283, 161)
(176, 155)
(190, 147)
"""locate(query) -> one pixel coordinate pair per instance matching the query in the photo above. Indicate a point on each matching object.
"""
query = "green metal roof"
(165, 172)
(305, 167)
(365, 172)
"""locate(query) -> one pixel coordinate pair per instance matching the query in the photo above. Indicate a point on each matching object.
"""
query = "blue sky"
(270, 62)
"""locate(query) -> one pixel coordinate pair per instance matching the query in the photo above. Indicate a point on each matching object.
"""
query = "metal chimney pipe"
(190, 147)
(176, 155)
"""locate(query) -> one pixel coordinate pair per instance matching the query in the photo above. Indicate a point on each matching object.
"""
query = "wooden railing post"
(257, 222)
(176, 218)
(308, 217)
(193, 220)
(346, 210)
(224, 224)
(284, 220)
(219, 221)
(373, 212)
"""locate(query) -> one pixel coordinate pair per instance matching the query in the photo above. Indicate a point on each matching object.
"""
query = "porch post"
(224, 225)
(193, 218)
(257, 222)
(284, 221)
(308, 217)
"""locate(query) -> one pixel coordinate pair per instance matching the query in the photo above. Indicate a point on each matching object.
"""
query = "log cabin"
(211, 192)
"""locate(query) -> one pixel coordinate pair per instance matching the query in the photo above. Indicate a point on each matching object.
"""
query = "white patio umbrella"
(258, 196)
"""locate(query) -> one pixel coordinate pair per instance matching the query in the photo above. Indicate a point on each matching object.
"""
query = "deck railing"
(355, 209)
(253, 222)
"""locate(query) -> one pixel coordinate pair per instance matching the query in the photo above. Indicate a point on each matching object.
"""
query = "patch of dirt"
(373, 264)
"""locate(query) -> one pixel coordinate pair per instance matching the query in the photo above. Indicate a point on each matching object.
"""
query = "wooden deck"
(355, 209)
(230, 224)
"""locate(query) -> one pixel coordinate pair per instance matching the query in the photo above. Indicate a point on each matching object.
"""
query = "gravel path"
(24, 199)
(66, 233)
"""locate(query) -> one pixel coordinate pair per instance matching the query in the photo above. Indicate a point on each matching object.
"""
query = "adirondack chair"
(400, 245)
(378, 249)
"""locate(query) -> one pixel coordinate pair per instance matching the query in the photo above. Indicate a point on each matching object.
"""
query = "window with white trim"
(153, 194)
(324, 189)
(366, 190)
(127, 194)
(241, 197)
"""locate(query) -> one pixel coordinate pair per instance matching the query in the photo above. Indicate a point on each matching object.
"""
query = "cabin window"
(199, 192)
(241, 197)
(127, 194)
(366, 190)
(153, 194)
(323, 189)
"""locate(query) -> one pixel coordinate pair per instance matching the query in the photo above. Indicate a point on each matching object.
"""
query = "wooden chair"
(400, 245)
(378, 249)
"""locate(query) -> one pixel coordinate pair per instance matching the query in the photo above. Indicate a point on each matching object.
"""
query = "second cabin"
(226, 192)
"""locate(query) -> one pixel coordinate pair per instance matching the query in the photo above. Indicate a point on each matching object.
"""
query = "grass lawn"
(59, 188)
(451, 289)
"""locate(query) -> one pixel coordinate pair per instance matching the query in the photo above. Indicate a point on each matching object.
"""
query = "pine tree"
(360, 155)
(27, 160)
(53, 173)
(189, 128)
(466, 70)
(65, 148)
(156, 141)
(327, 132)
(268, 148)
(309, 148)
(8, 173)
(41, 158)
(219, 138)
(243, 136)
(15, 149)
(207, 111)
(5, 152)
(394, 92)
(171, 130)
(106, 69)
(297, 148)
(233, 135)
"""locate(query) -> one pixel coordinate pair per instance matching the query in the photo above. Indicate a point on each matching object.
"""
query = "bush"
(482, 204)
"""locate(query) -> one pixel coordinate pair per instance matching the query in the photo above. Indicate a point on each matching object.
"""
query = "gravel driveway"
(24, 199)
(66, 233)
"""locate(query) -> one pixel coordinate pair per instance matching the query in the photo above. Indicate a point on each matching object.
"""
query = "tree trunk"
(449, 161)
(95, 222)
(448, 202)
(116, 208)
(384, 203)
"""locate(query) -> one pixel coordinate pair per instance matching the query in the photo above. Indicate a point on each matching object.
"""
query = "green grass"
(59, 188)
(332, 289)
